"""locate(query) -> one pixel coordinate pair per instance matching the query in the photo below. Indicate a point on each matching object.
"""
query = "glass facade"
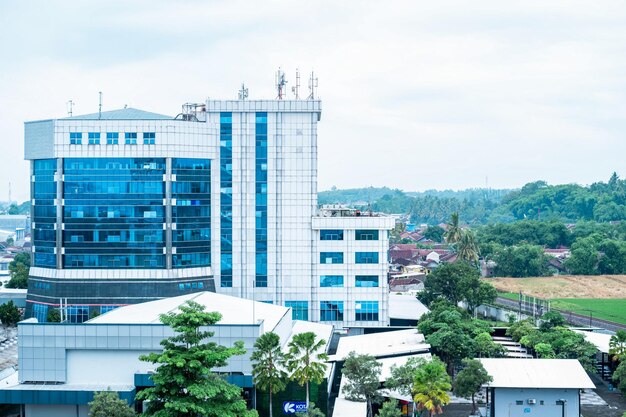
(331, 234)
(366, 281)
(261, 199)
(331, 257)
(299, 309)
(113, 213)
(366, 234)
(366, 311)
(366, 257)
(331, 281)
(192, 213)
(226, 199)
(331, 310)
(77, 314)
(44, 192)
(40, 312)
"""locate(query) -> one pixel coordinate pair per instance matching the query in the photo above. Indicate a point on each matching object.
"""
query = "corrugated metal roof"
(537, 373)
(128, 113)
(382, 344)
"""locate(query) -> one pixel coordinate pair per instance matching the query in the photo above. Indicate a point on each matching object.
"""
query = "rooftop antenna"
(312, 86)
(280, 83)
(295, 89)
(243, 93)
(70, 105)
(99, 105)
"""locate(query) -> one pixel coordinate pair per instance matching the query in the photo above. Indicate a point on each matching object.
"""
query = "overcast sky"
(416, 94)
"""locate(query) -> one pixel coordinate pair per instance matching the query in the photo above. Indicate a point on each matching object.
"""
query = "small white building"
(535, 387)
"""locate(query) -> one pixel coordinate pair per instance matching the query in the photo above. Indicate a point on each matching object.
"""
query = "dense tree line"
(570, 203)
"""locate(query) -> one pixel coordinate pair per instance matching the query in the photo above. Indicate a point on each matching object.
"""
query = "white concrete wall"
(505, 402)
(116, 367)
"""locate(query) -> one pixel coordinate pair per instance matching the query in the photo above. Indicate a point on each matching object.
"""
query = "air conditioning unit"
(532, 401)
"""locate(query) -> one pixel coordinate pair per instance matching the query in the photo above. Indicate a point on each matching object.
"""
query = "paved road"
(573, 318)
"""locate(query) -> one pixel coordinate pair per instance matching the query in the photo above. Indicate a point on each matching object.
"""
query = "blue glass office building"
(117, 222)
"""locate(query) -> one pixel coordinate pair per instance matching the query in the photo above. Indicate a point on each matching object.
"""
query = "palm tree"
(617, 345)
(453, 230)
(304, 362)
(267, 365)
(467, 248)
(432, 383)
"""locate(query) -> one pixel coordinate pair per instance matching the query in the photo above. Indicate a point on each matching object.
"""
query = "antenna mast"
(99, 105)
(243, 93)
(280, 83)
(296, 88)
(70, 105)
(312, 86)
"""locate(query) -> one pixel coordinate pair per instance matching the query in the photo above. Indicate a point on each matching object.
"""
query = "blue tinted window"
(113, 138)
(94, 138)
(149, 138)
(366, 281)
(331, 310)
(331, 234)
(77, 314)
(226, 201)
(299, 309)
(366, 311)
(260, 198)
(366, 234)
(43, 190)
(40, 312)
(331, 281)
(131, 138)
(331, 257)
(76, 138)
(105, 309)
(366, 257)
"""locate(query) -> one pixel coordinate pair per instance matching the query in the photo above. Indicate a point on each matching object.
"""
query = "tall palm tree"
(617, 345)
(304, 361)
(432, 383)
(467, 248)
(267, 361)
(453, 231)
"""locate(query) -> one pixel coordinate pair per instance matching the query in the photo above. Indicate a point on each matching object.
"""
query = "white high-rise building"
(223, 196)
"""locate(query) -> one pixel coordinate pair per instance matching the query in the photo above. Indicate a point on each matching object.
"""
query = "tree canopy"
(267, 365)
(184, 381)
(9, 314)
(363, 375)
(19, 269)
(305, 359)
(468, 382)
(108, 404)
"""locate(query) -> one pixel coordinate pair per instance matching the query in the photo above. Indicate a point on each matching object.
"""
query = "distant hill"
(602, 202)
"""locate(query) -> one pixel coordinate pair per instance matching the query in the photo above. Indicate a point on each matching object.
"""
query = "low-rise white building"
(535, 387)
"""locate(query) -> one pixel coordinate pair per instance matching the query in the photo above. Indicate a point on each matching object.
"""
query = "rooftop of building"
(127, 113)
(234, 311)
(406, 306)
(339, 210)
(536, 373)
(385, 344)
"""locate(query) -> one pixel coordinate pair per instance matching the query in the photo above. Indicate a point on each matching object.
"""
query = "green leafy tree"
(453, 229)
(389, 409)
(53, 316)
(363, 374)
(9, 314)
(18, 269)
(108, 404)
(434, 233)
(403, 376)
(478, 293)
(467, 248)
(544, 351)
(267, 361)
(449, 282)
(184, 383)
(551, 319)
(468, 382)
(521, 261)
(584, 257)
(617, 346)
(431, 387)
(311, 411)
(619, 377)
(10, 241)
(485, 347)
(304, 360)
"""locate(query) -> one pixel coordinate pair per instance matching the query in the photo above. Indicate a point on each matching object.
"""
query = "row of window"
(130, 138)
(359, 234)
(334, 311)
(74, 314)
(191, 285)
(359, 257)
(336, 281)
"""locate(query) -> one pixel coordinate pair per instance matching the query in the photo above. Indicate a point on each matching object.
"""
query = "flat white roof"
(405, 306)
(536, 373)
(382, 344)
(600, 340)
(233, 310)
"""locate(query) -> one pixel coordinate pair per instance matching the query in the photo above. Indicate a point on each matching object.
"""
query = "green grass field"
(612, 309)
(509, 295)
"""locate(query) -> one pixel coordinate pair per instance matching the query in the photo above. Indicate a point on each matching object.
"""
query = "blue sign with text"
(293, 407)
